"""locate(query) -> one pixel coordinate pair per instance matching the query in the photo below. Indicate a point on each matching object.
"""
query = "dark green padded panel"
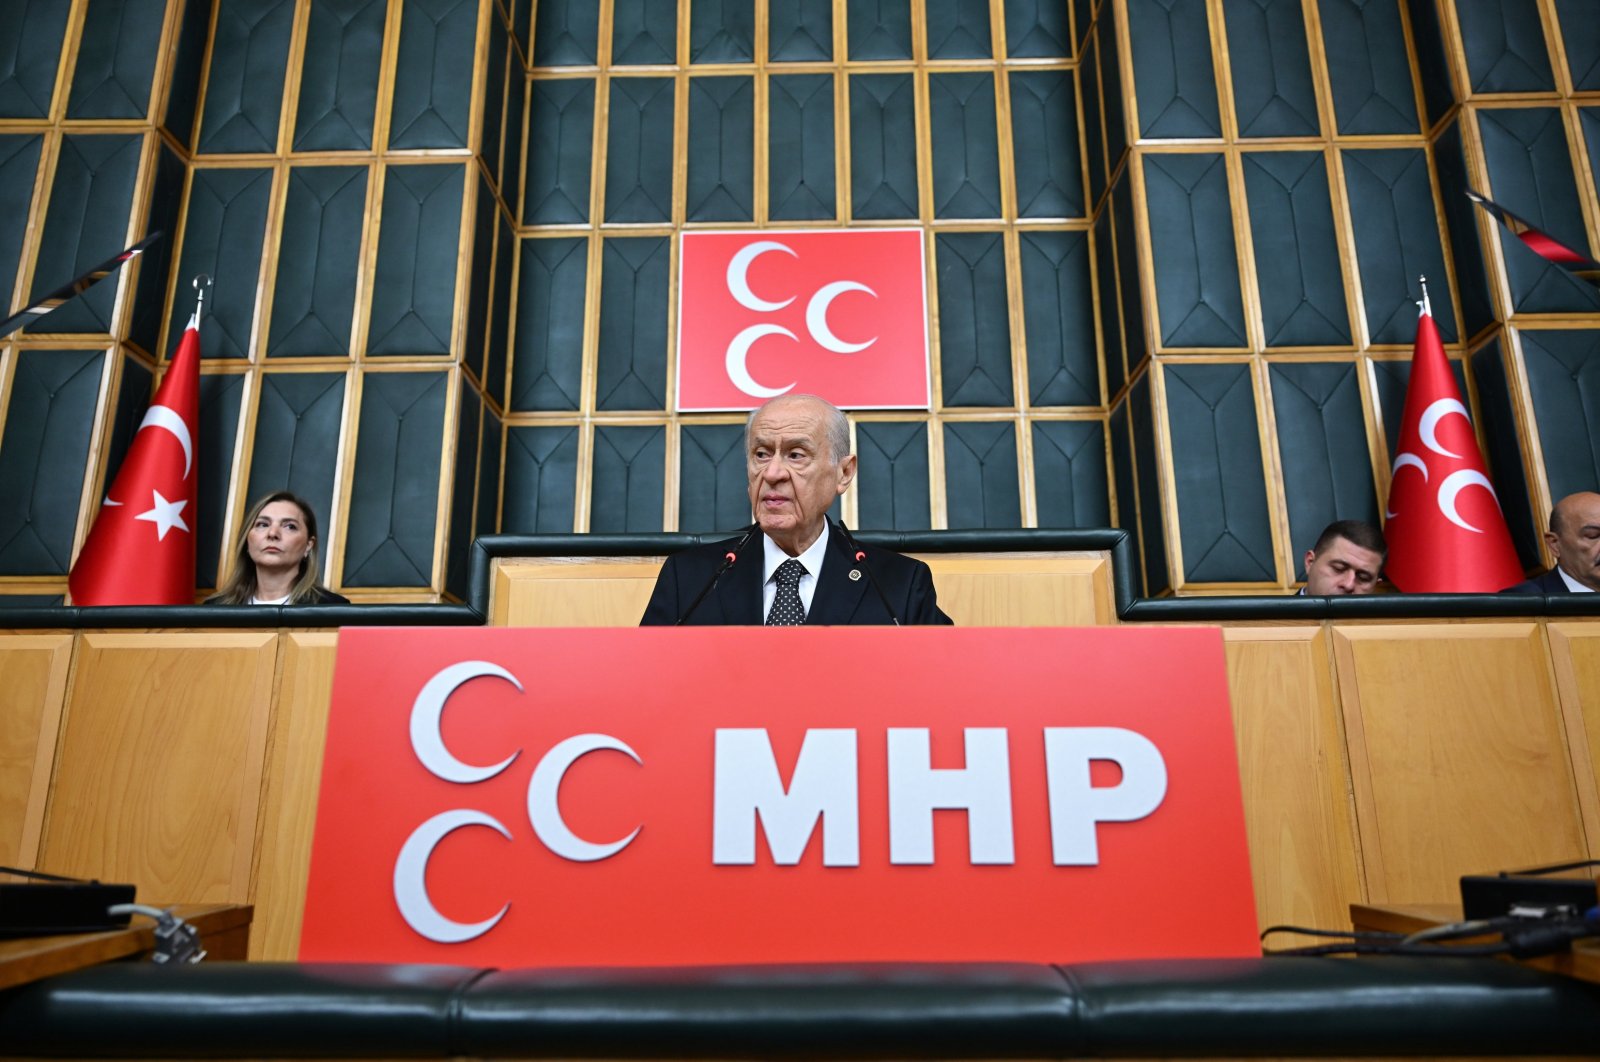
(1368, 69)
(1172, 73)
(721, 147)
(521, 24)
(566, 32)
(1503, 450)
(1191, 235)
(1461, 219)
(1128, 257)
(1589, 123)
(220, 396)
(1218, 479)
(19, 165)
(1094, 141)
(980, 474)
(296, 444)
(1530, 172)
(42, 456)
(1122, 470)
(339, 78)
(31, 600)
(1272, 90)
(495, 73)
(974, 325)
(966, 154)
(1504, 44)
(722, 31)
(1322, 444)
(1296, 249)
(150, 296)
(1438, 89)
(629, 478)
(800, 31)
(878, 29)
(1058, 316)
(713, 493)
(244, 85)
(644, 32)
(1390, 379)
(892, 475)
(516, 128)
(958, 29)
(800, 180)
(1580, 32)
(1082, 13)
(541, 476)
(463, 487)
(315, 295)
(394, 493)
(632, 370)
(117, 59)
(479, 279)
(90, 200)
(1038, 29)
(1390, 197)
(547, 369)
(30, 48)
(1152, 523)
(1110, 326)
(560, 147)
(487, 520)
(499, 355)
(1116, 115)
(433, 74)
(639, 150)
(1069, 473)
(1044, 125)
(223, 229)
(133, 395)
(883, 146)
(185, 92)
(414, 289)
(1563, 374)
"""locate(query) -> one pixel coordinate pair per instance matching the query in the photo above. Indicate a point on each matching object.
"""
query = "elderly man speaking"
(794, 566)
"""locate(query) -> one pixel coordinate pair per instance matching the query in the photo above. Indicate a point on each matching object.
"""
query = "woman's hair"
(240, 585)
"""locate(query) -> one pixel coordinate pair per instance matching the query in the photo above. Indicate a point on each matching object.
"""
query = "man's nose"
(773, 470)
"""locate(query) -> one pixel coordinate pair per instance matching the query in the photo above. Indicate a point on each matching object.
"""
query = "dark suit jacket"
(839, 600)
(1548, 583)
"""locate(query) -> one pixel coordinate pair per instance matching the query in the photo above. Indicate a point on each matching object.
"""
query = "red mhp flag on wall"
(1444, 525)
(141, 548)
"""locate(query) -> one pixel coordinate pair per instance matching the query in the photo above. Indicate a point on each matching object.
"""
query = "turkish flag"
(1444, 525)
(141, 548)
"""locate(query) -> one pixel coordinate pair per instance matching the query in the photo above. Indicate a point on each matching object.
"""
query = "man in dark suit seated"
(799, 568)
(1347, 559)
(1574, 541)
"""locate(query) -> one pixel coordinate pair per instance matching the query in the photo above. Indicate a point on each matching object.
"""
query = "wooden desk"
(1582, 962)
(224, 933)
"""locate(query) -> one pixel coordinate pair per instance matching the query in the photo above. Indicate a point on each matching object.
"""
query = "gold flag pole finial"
(1425, 304)
(201, 284)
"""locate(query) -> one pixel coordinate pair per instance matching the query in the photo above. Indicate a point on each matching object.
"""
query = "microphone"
(727, 562)
(859, 555)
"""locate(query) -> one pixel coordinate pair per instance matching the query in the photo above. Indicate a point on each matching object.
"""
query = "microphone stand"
(859, 555)
(727, 562)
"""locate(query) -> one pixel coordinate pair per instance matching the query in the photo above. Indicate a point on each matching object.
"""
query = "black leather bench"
(1283, 1007)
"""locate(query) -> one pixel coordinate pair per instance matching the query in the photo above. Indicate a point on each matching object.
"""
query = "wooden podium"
(224, 932)
(1582, 962)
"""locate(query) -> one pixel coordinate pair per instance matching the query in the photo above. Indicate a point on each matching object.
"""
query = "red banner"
(742, 795)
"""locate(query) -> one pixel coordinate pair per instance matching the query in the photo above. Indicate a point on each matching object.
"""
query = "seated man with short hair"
(1574, 541)
(1347, 559)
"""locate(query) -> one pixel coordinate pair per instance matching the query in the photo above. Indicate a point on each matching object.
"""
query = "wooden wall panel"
(293, 779)
(1458, 754)
(1575, 652)
(572, 591)
(1304, 859)
(33, 685)
(159, 772)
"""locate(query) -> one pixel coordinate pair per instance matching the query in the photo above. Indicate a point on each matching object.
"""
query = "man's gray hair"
(835, 425)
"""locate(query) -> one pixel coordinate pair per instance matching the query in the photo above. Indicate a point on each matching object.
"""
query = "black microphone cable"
(727, 562)
(859, 555)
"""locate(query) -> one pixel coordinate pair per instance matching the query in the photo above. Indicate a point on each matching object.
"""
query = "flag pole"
(1427, 307)
(201, 284)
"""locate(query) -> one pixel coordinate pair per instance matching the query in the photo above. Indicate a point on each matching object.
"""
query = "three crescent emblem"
(1450, 488)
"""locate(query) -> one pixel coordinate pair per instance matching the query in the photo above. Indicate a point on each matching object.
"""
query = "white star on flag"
(165, 515)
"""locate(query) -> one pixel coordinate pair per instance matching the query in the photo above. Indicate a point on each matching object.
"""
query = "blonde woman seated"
(275, 561)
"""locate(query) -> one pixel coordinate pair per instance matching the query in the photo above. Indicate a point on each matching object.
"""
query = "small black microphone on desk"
(859, 555)
(727, 562)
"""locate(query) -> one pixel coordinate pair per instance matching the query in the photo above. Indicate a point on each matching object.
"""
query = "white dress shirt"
(810, 560)
(1572, 584)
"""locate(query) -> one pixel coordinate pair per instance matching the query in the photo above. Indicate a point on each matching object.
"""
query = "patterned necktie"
(787, 611)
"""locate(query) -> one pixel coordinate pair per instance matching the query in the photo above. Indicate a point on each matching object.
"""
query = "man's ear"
(1311, 555)
(847, 472)
(1553, 541)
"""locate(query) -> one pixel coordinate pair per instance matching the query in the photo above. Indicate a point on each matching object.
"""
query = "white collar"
(1573, 584)
(773, 555)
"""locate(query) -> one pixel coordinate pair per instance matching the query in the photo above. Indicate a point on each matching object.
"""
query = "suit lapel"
(739, 590)
(837, 595)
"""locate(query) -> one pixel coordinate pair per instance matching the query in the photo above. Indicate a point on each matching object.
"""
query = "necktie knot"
(787, 611)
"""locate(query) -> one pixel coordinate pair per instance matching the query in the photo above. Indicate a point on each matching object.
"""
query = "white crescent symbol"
(817, 316)
(1453, 485)
(428, 743)
(410, 878)
(166, 418)
(544, 790)
(739, 351)
(1431, 417)
(1401, 461)
(739, 276)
